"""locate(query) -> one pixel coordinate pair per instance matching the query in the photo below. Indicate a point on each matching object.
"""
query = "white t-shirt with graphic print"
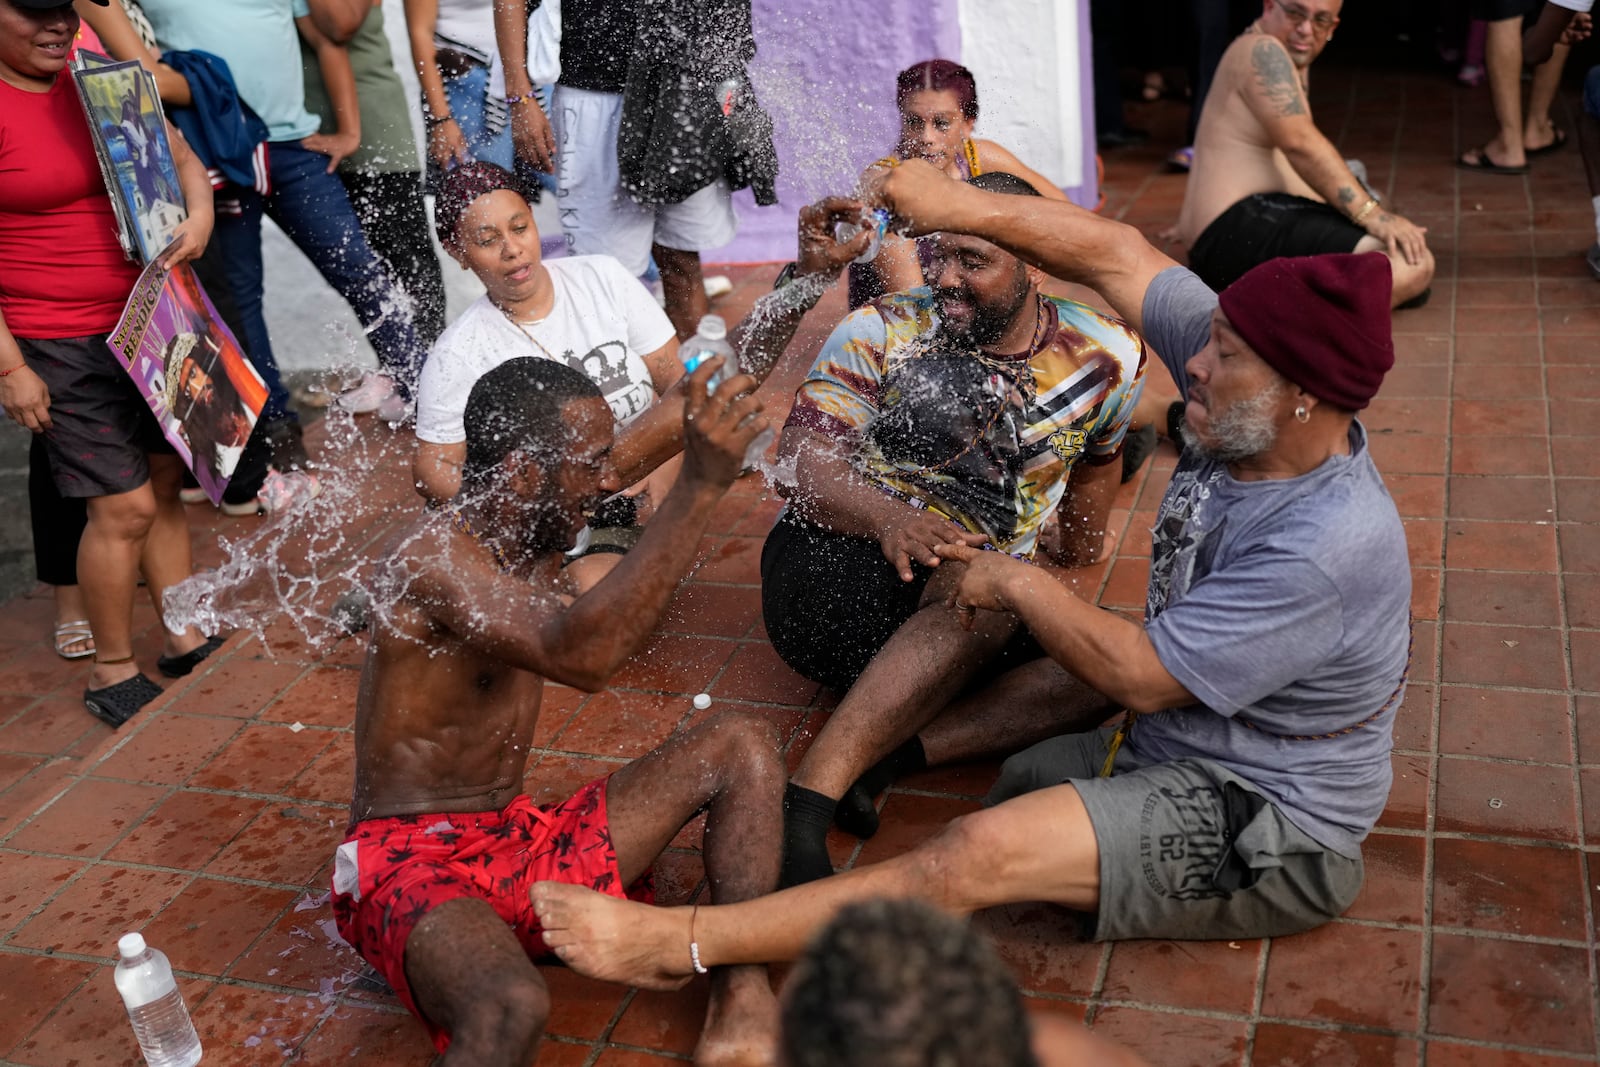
(603, 323)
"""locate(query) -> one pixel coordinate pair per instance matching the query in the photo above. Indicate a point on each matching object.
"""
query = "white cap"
(130, 946)
(712, 327)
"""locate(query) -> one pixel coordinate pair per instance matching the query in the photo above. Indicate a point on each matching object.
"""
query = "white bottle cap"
(712, 327)
(130, 946)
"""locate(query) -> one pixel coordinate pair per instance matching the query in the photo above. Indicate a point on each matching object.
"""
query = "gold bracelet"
(1366, 209)
(887, 163)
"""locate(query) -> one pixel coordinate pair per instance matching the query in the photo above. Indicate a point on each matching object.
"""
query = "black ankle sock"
(806, 815)
(857, 814)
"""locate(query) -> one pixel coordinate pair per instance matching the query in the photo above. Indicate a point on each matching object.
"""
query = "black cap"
(45, 5)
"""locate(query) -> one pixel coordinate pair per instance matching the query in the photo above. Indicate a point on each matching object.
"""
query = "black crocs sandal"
(178, 666)
(116, 704)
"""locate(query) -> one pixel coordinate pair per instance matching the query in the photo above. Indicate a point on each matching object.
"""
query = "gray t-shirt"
(1281, 604)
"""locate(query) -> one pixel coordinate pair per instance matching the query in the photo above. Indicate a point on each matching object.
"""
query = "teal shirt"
(388, 144)
(259, 42)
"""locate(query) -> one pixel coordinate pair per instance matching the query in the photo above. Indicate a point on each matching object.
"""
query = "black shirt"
(596, 39)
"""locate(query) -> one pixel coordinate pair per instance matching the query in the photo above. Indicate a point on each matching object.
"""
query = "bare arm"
(761, 336)
(122, 41)
(23, 394)
(1273, 93)
(445, 140)
(1550, 29)
(1109, 653)
(340, 19)
(436, 470)
(530, 127)
(1057, 236)
(998, 157)
(657, 434)
(191, 236)
(334, 63)
(830, 492)
(1081, 518)
(584, 644)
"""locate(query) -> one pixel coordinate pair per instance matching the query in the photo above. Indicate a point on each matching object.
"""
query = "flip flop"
(1556, 145)
(1486, 165)
(116, 704)
(70, 633)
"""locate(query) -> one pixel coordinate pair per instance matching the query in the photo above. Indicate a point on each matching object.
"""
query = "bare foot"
(614, 940)
(741, 1022)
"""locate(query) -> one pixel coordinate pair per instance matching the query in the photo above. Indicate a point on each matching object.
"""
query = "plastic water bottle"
(710, 339)
(160, 1021)
(877, 219)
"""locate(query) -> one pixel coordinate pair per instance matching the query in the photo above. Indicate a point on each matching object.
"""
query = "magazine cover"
(192, 372)
(130, 135)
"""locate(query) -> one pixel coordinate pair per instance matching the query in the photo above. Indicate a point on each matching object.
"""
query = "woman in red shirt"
(63, 283)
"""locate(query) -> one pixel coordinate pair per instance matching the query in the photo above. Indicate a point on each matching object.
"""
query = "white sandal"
(70, 633)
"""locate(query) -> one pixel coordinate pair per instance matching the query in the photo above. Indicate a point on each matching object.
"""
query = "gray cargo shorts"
(1188, 849)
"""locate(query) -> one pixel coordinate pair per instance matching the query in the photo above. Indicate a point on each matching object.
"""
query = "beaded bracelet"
(515, 98)
(694, 946)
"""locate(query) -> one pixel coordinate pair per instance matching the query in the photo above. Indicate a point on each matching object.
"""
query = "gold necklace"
(526, 332)
(462, 523)
(1020, 371)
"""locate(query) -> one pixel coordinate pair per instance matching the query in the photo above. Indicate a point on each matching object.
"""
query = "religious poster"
(130, 137)
(197, 380)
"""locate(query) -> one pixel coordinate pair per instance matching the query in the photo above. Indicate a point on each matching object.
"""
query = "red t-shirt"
(62, 271)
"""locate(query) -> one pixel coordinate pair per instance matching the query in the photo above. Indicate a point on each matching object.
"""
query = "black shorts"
(101, 429)
(1499, 10)
(831, 601)
(1265, 226)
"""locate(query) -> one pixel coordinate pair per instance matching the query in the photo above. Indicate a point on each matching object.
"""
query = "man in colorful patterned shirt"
(963, 412)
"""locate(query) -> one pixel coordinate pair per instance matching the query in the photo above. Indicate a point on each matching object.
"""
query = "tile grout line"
(1431, 809)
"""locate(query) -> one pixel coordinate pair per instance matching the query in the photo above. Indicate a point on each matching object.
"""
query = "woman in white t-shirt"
(584, 311)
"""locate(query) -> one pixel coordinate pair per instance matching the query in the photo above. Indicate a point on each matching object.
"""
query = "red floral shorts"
(389, 873)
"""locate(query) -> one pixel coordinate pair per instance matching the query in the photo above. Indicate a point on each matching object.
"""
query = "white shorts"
(597, 216)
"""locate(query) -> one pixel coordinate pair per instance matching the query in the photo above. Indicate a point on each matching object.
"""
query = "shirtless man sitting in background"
(431, 885)
(1266, 182)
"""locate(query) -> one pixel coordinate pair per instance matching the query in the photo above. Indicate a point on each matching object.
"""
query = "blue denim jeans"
(467, 105)
(466, 96)
(311, 206)
(1591, 92)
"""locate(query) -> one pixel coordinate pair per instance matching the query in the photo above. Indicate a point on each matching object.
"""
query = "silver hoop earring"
(1302, 414)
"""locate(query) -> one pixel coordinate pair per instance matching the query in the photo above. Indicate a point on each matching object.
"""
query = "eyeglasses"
(1320, 23)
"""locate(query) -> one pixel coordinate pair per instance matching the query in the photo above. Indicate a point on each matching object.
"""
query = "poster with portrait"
(198, 382)
(129, 131)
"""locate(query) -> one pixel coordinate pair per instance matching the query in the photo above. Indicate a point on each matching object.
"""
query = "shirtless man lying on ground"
(432, 883)
(1266, 182)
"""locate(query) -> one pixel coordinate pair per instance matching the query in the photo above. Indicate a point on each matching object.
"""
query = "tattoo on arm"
(1276, 78)
(1347, 196)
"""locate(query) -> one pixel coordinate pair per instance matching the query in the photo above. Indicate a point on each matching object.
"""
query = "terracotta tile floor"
(210, 821)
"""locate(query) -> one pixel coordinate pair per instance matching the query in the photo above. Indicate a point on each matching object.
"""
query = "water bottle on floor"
(710, 339)
(160, 1021)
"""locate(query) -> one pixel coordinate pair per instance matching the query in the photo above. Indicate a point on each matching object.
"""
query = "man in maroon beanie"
(1232, 799)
